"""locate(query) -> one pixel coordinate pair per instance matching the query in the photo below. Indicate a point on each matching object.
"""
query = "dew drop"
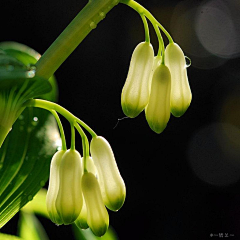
(102, 15)
(30, 197)
(93, 25)
(30, 74)
(35, 121)
(188, 61)
(42, 183)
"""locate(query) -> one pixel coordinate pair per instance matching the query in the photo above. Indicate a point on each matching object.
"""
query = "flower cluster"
(158, 87)
(80, 195)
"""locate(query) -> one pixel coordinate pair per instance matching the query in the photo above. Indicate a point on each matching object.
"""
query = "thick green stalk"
(73, 35)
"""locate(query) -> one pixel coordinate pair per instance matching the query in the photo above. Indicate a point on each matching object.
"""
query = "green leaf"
(30, 228)
(27, 56)
(25, 160)
(87, 234)
(38, 204)
(9, 237)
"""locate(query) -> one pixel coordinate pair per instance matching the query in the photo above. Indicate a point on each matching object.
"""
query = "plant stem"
(86, 20)
(64, 112)
(141, 10)
(64, 145)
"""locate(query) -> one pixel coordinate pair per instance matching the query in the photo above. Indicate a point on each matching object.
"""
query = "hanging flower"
(111, 183)
(81, 221)
(158, 108)
(181, 95)
(54, 187)
(69, 199)
(135, 92)
(97, 215)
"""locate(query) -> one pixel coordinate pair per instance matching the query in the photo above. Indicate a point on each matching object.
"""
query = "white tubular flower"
(181, 95)
(81, 221)
(111, 183)
(97, 215)
(53, 187)
(158, 108)
(69, 199)
(135, 93)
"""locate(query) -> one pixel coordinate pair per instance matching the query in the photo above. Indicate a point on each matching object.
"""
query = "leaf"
(9, 237)
(88, 235)
(25, 160)
(26, 153)
(38, 204)
(28, 56)
(30, 228)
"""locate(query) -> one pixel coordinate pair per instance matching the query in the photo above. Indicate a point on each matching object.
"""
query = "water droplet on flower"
(42, 183)
(102, 15)
(93, 25)
(30, 197)
(188, 61)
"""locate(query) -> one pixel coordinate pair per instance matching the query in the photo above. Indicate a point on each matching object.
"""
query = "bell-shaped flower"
(135, 93)
(111, 183)
(69, 199)
(81, 221)
(97, 215)
(54, 187)
(181, 95)
(158, 108)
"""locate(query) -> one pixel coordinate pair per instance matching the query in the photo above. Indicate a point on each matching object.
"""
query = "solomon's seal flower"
(81, 221)
(97, 215)
(111, 183)
(54, 187)
(69, 199)
(158, 108)
(135, 92)
(181, 95)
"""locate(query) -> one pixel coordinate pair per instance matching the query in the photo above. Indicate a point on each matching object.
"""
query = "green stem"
(141, 10)
(64, 112)
(64, 145)
(86, 20)
(72, 136)
(161, 50)
(85, 145)
(146, 29)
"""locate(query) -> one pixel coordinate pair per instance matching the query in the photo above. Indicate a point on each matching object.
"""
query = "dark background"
(183, 183)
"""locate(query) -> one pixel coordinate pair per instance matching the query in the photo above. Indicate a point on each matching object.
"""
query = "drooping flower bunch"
(79, 193)
(157, 84)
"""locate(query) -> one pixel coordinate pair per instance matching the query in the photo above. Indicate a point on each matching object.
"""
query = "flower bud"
(53, 187)
(97, 215)
(181, 95)
(69, 199)
(111, 183)
(135, 92)
(81, 221)
(158, 108)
